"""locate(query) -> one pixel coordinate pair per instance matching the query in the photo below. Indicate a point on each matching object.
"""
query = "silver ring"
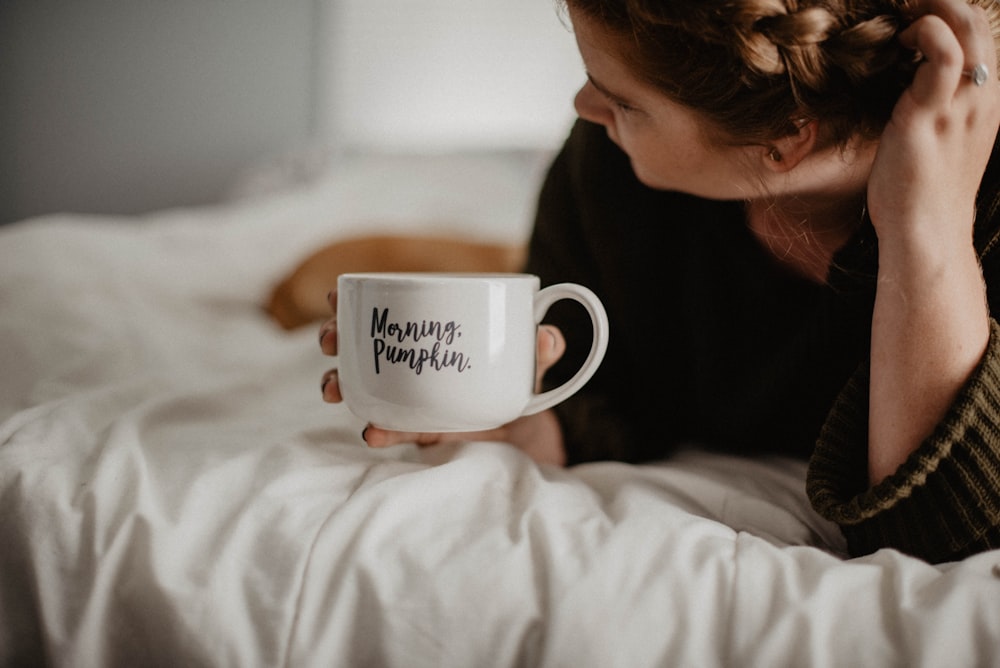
(979, 74)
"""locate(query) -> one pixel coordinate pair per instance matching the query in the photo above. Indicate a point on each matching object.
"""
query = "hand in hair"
(933, 152)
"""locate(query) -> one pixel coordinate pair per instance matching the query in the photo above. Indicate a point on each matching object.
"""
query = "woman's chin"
(647, 179)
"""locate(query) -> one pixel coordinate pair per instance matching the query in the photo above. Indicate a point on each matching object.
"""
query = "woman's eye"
(624, 107)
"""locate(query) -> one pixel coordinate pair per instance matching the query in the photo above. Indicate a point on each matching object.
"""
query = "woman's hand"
(935, 147)
(539, 435)
(930, 324)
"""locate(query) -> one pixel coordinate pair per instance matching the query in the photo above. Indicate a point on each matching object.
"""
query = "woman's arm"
(931, 322)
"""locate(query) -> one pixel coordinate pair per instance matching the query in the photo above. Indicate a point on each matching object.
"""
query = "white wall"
(123, 106)
(433, 74)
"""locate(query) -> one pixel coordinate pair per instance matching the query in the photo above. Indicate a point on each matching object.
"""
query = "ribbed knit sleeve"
(942, 503)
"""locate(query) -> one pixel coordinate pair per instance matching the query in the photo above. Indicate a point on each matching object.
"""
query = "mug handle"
(544, 299)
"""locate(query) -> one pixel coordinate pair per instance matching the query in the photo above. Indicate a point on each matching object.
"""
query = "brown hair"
(759, 68)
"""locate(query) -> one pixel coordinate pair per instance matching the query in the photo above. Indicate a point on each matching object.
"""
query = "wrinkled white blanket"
(173, 492)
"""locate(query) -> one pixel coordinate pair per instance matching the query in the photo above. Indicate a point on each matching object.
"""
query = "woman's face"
(666, 142)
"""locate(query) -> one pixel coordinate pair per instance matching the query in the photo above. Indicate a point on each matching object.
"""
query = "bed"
(174, 492)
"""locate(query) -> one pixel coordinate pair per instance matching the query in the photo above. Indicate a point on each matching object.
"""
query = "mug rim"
(435, 276)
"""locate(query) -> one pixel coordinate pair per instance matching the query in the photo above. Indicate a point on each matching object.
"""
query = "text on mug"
(416, 357)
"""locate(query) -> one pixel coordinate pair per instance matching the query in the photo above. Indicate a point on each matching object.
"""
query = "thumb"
(551, 346)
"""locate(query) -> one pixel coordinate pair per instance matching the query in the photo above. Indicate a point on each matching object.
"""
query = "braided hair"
(760, 68)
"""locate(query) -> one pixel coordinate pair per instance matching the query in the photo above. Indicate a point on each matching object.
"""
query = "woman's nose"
(592, 106)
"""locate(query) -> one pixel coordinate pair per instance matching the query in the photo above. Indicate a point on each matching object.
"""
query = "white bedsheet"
(173, 491)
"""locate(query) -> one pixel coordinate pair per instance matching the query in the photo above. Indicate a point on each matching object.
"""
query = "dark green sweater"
(714, 344)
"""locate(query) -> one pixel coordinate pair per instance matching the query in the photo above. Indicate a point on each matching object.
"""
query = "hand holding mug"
(422, 355)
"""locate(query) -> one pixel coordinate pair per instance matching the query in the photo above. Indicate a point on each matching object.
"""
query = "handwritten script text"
(418, 344)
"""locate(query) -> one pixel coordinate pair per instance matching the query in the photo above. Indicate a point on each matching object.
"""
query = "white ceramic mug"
(421, 352)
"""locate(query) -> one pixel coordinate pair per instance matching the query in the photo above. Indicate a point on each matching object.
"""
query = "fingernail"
(551, 336)
(327, 377)
(324, 330)
(363, 432)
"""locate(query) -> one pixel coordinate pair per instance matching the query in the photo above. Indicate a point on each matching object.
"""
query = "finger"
(330, 387)
(969, 23)
(328, 337)
(937, 77)
(965, 20)
(551, 346)
(376, 437)
(331, 299)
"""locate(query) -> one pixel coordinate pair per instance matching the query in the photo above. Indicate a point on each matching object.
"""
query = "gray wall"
(123, 106)
(126, 106)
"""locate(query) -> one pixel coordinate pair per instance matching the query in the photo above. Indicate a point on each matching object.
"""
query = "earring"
(774, 154)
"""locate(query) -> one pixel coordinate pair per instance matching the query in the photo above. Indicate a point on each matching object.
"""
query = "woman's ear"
(782, 155)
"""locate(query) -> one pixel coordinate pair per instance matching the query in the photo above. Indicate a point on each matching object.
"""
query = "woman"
(791, 214)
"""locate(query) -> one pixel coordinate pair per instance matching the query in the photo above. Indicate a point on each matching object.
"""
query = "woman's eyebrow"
(607, 93)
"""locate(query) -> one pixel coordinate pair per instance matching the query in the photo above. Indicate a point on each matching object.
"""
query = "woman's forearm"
(930, 327)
